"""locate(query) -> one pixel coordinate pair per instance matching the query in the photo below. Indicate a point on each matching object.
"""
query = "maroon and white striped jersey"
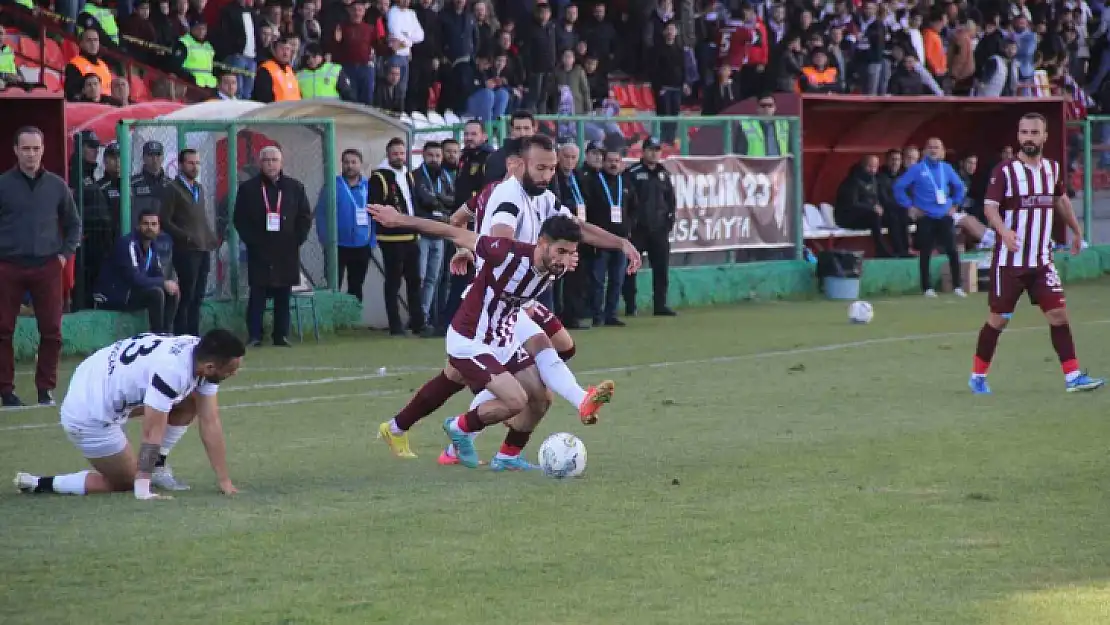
(1026, 198)
(506, 281)
(477, 204)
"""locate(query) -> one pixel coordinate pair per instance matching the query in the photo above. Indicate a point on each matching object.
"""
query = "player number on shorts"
(1052, 279)
(141, 345)
(757, 190)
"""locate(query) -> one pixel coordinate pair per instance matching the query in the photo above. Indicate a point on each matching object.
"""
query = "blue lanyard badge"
(942, 187)
(194, 189)
(437, 183)
(576, 191)
(149, 257)
(615, 212)
(358, 204)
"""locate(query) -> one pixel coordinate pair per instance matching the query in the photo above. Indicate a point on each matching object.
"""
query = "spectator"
(270, 14)
(722, 94)
(86, 62)
(132, 278)
(306, 27)
(487, 27)
(39, 232)
(236, 43)
(200, 55)
(162, 19)
(390, 96)
(976, 187)
(787, 70)
(92, 91)
(435, 196)
(936, 59)
(460, 45)
(600, 37)
(656, 205)
(566, 32)
(352, 46)
(597, 82)
(105, 20)
(573, 86)
(276, 81)
(818, 77)
(936, 192)
(186, 222)
(322, 80)
(472, 163)
(539, 59)
(1026, 48)
(961, 54)
(910, 157)
(426, 57)
(894, 216)
(869, 58)
(179, 18)
(273, 217)
(668, 78)
(510, 79)
(857, 203)
(139, 26)
(121, 91)
(228, 86)
(354, 228)
(1001, 73)
(521, 124)
(907, 78)
(490, 98)
(609, 205)
(451, 155)
(393, 184)
(405, 31)
(595, 158)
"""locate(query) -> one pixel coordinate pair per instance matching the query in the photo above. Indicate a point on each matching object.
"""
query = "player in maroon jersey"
(482, 344)
(1023, 196)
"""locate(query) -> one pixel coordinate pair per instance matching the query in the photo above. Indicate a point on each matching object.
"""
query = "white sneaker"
(25, 482)
(930, 293)
(959, 293)
(163, 478)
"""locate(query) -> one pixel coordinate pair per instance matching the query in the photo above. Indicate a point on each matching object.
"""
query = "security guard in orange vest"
(819, 77)
(85, 63)
(276, 81)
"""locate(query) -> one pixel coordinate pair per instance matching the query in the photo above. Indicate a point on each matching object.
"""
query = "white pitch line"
(651, 365)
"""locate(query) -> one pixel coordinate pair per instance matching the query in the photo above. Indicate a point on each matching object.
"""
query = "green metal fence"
(229, 155)
(1088, 147)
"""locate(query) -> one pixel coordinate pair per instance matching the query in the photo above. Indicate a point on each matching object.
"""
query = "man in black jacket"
(473, 162)
(394, 185)
(521, 124)
(651, 229)
(610, 206)
(273, 217)
(540, 58)
(668, 78)
(857, 203)
(895, 217)
(576, 292)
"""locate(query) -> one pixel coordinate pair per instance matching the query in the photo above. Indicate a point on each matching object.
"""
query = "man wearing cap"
(199, 54)
(322, 80)
(595, 154)
(93, 208)
(655, 213)
(109, 185)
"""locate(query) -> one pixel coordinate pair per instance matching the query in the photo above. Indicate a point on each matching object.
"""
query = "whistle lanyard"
(276, 210)
(943, 186)
(437, 183)
(577, 192)
(358, 205)
(193, 188)
(608, 195)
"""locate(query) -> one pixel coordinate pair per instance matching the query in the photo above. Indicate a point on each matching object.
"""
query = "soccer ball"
(562, 455)
(860, 312)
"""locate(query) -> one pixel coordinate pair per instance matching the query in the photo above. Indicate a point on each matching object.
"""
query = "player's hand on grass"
(1009, 239)
(460, 262)
(385, 215)
(227, 488)
(633, 256)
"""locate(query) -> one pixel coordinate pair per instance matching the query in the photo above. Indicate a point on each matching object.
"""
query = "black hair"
(536, 141)
(893, 151)
(476, 122)
(353, 152)
(446, 141)
(219, 346)
(561, 228)
(513, 147)
(183, 153)
(149, 212)
(394, 141)
(432, 145)
(27, 130)
(521, 114)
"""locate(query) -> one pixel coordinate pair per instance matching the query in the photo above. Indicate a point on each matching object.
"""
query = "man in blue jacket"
(355, 229)
(931, 190)
(132, 277)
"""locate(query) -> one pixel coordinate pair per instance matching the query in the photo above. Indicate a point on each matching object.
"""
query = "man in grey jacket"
(39, 233)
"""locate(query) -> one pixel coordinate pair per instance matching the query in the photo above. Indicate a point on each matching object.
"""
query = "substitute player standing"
(1022, 197)
(172, 380)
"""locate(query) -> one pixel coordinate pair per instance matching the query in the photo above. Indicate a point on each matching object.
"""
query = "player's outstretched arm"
(599, 237)
(391, 218)
(461, 218)
(212, 436)
(154, 429)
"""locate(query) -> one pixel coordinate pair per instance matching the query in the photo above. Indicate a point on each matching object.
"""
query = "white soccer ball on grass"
(860, 312)
(562, 455)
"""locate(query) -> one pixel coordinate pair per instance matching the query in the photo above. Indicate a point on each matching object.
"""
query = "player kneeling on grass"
(483, 344)
(171, 380)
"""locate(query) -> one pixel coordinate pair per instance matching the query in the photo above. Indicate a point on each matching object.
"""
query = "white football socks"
(70, 483)
(171, 437)
(558, 377)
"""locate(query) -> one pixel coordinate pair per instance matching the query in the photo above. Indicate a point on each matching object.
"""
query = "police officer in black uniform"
(109, 185)
(656, 204)
(95, 220)
(147, 187)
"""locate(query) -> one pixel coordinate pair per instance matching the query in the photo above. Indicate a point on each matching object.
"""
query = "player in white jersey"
(170, 380)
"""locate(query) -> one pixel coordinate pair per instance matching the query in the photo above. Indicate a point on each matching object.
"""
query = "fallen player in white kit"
(169, 380)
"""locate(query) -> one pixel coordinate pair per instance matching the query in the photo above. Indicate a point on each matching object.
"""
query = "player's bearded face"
(1029, 147)
(215, 373)
(557, 256)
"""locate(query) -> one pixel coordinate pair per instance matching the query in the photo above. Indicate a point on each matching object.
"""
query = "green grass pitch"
(764, 464)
